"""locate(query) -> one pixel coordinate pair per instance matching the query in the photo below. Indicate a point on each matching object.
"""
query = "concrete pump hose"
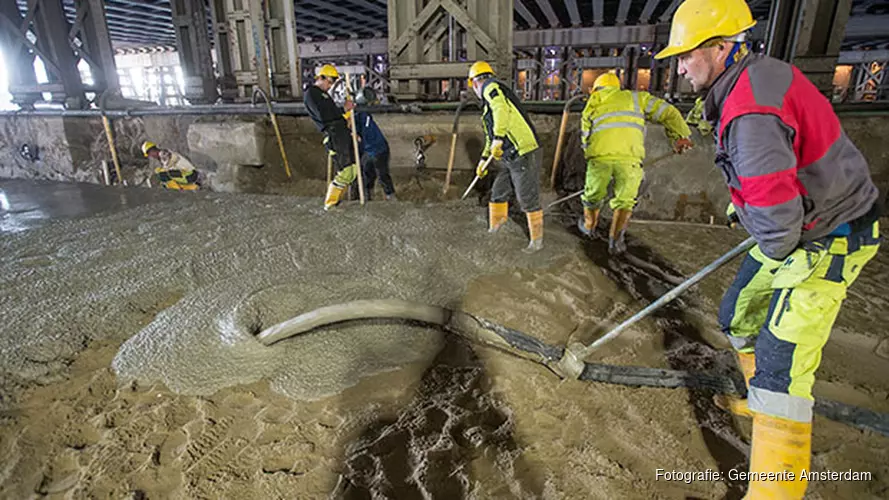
(482, 331)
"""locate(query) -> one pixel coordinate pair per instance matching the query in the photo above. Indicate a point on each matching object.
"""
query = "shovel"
(572, 363)
(475, 181)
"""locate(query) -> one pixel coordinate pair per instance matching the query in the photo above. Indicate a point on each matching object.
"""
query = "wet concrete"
(135, 326)
(31, 204)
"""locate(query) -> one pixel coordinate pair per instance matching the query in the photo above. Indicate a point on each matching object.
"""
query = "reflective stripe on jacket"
(613, 123)
(793, 174)
(504, 118)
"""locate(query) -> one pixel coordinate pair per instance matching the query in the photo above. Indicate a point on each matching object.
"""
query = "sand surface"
(130, 370)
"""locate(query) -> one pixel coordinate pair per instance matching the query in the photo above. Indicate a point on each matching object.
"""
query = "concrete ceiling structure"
(148, 23)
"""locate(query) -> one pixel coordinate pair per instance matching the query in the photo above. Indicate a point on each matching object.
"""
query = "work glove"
(481, 169)
(497, 148)
(682, 145)
(732, 215)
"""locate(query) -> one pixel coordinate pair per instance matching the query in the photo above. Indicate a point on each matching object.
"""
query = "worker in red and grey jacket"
(804, 192)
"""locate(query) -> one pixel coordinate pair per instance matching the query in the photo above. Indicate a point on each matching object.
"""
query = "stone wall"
(241, 153)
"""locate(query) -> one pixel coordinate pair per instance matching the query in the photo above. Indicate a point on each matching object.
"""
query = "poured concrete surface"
(129, 367)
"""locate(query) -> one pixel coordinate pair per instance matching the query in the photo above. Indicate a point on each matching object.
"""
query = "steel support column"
(45, 19)
(193, 44)
(19, 61)
(95, 46)
(631, 68)
(487, 27)
(256, 47)
(809, 33)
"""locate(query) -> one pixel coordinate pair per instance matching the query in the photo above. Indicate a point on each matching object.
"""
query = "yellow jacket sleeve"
(499, 109)
(486, 152)
(660, 111)
(586, 120)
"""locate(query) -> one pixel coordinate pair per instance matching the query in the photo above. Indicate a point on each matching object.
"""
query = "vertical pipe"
(562, 128)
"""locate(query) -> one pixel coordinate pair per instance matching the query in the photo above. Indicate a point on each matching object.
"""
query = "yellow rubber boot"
(590, 221)
(535, 229)
(497, 215)
(334, 193)
(735, 405)
(779, 446)
(619, 222)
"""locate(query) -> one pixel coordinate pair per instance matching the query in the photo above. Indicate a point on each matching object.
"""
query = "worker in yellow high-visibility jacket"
(613, 135)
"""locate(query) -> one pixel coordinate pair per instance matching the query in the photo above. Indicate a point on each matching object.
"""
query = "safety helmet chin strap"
(740, 49)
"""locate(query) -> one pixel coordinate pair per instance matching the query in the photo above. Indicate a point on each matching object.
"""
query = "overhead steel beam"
(550, 14)
(668, 14)
(579, 62)
(527, 39)
(428, 70)
(872, 26)
(623, 10)
(573, 12)
(598, 12)
(862, 56)
(526, 14)
(340, 48)
(648, 11)
(601, 35)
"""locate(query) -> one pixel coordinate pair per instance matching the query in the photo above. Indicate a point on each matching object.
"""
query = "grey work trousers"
(522, 176)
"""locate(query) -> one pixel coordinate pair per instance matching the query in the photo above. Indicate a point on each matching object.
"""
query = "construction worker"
(175, 172)
(612, 138)
(804, 192)
(511, 140)
(695, 118)
(330, 120)
(373, 147)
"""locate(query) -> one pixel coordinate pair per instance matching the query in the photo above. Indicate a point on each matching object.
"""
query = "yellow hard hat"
(479, 68)
(697, 21)
(606, 80)
(147, 146)
(328, 70)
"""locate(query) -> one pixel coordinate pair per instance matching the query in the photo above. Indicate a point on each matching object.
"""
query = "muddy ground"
(130, 369)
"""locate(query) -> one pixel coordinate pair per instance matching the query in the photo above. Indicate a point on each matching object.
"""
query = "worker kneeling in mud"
(330, 121)
(511, 140)
(613, 137)
(175, 172)
(803, 190)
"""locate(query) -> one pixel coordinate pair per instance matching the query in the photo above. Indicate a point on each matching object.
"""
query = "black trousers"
(339, 141)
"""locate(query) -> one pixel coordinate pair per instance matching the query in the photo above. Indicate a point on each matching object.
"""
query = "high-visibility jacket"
(613, 123)
(504, 118)
(176, 167)
(793, 174)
